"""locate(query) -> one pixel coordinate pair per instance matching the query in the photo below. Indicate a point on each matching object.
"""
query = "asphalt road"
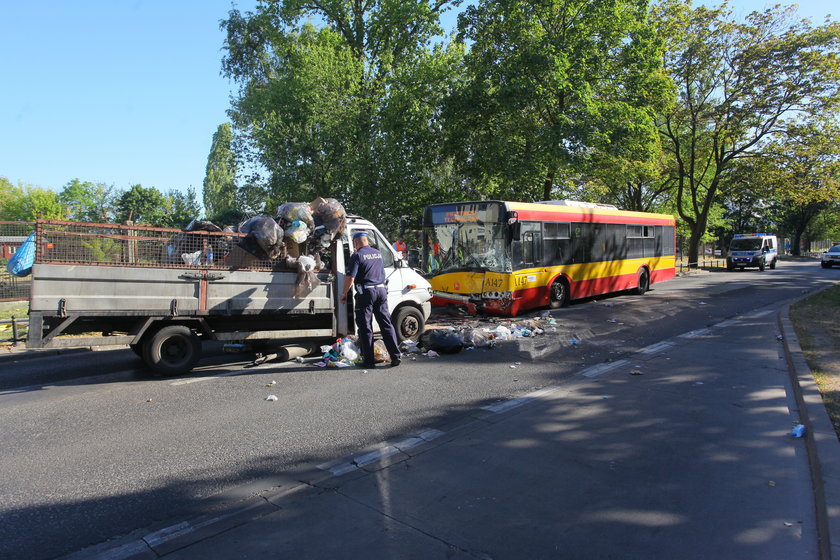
(95, 448)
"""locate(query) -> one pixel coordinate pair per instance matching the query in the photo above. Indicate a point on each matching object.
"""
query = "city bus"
(502, 258)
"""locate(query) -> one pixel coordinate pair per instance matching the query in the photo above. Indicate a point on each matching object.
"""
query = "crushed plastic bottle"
(798, 431)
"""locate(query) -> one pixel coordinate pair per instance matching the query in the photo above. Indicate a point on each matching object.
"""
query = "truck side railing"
(81, 243)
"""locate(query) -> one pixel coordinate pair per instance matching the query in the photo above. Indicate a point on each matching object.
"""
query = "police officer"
(367, 272)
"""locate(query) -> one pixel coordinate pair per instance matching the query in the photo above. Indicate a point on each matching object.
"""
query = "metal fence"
(702, 263)
(60, 242)
(64, 242)
(13, 330)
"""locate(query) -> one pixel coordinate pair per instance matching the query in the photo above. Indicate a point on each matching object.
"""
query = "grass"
(21, 311)
(816, 320)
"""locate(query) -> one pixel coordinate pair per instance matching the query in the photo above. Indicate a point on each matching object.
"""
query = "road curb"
(820, 440)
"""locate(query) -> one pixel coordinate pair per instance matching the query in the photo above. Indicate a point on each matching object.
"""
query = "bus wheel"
(559, 296)
(644, 283)
(173, 350)
(408, 323)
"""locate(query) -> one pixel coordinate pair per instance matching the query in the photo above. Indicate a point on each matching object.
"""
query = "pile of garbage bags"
(343, 353)
(346, 353)
(451, 340)
(296, 237)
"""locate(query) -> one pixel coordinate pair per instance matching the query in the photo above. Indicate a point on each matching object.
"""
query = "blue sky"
(126, 91)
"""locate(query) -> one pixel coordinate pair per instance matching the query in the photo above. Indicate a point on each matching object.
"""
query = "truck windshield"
(469, 246)
(745, 244)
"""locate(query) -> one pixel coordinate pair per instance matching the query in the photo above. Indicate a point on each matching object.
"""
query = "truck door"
(392, 274)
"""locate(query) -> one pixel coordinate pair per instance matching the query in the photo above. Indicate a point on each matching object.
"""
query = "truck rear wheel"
(173, 350)
(408, 323)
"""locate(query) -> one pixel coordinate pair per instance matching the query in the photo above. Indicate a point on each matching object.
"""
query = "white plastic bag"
(503, 333)
(192, 259)
(350, 351)
(305, 263)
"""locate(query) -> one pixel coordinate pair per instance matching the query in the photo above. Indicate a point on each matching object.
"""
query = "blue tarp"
(21, 262)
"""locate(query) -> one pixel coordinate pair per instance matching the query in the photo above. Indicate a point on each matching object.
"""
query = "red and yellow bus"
(502, 258)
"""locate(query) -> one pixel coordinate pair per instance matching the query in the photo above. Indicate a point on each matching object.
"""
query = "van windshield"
(745, 244)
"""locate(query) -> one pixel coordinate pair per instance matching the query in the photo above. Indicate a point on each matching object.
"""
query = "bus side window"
(556, 243)
(532, 243)
(580, 243)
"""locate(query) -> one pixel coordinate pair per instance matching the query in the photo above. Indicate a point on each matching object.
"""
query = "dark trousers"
(373, 302)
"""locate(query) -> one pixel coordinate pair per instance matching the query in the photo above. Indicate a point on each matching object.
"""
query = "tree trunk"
(795, 246)
(548, 184)
(693, 249)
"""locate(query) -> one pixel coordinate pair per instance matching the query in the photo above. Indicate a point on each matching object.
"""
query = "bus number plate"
(524, 280)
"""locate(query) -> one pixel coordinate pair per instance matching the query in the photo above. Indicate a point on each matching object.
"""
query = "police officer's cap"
(360, 234)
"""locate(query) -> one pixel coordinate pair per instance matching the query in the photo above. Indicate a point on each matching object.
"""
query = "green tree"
(181, 208)
(547, 82)
(28, 202)
(10, 200)
(87, 201)
(348, 110)
(735, 82)
(142, 205)
(803, 169)
(748, 200)
(220, 176)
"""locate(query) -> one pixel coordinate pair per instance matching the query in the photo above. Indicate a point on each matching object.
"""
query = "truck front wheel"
(408, 323)
(173, 350)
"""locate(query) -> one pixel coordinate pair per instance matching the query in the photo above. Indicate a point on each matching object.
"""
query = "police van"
(758, 250)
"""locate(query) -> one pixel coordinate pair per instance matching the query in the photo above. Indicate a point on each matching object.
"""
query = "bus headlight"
(496, 295)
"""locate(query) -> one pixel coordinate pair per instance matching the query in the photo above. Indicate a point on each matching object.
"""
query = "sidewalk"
(689, 458)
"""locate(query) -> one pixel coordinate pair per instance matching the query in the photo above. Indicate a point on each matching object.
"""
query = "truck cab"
(756, 250)
(409, 293)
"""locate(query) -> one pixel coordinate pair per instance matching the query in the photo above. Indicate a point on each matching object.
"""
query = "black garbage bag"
(267, 233)
(202, 225)
(330, 213)
(441, 341)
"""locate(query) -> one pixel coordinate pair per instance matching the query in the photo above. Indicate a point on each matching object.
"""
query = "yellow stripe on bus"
(478, 282)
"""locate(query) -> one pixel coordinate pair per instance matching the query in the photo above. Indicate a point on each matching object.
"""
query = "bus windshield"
(469, 246)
